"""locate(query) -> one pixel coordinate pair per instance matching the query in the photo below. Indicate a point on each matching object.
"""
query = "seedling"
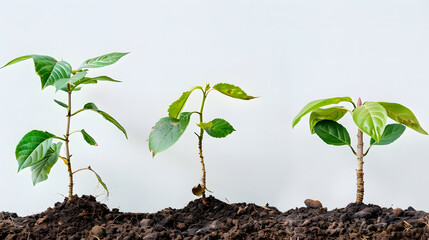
(169, 129)
(370, 118)
(37, 149)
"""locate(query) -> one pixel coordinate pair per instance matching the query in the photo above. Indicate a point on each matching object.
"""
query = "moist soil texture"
(85, 218)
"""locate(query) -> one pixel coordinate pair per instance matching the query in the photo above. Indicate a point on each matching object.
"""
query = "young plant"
(169, 129)
(37, 149)
(370, 118)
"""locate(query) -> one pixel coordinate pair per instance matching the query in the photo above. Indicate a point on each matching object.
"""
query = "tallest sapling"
(369, 117)
(37, 149)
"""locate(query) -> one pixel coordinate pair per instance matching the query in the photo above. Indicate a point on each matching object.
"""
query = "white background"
(286, 52)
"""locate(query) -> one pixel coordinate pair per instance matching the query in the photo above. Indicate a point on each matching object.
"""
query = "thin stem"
(68, 156)
(367, 150)
(200, 147)
(88, 168)
(59, 138)
(359, 170)
(83, 109)
(353, 150)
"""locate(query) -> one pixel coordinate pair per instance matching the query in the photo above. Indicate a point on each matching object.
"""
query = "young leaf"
(103, 60)
(403, 115)
(33, 148)
(93, 107)
(205, 125)
(88, 138)
(232, 91)
(220, 128)
(50, 70)
(41, 169)
(100, 180)
(17, 60)
(332, 133)
(61, 103)
(390, 134)
(176, 107)
(167, 131)
(333, 113)
(371, 119)
(318, 104)
(93, 80)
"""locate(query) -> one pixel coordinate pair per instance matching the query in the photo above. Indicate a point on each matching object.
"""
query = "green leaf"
(17, 60)
(167, 131)
(61, 84)
(50, 70)
(61, 103)
(232, 91)
(103, 60)
(318, 104)
(333, 113)
(371, 118)
(94, 80)
(403, 115)
(177, 106)
(205, 125)
(100, 180)
(93, 107)
(32, 148)
(41, 169)
(88, 138)
(220, 128)
(390, 134)
(332, 133)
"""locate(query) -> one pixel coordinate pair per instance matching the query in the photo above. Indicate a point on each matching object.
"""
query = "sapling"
(169, 129)
(37, 149)
(369, 117)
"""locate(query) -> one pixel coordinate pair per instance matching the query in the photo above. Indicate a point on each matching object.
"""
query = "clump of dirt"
(85, 218)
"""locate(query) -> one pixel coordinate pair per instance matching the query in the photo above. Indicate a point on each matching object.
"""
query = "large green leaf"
(93, 107)
(17, 60)
(232, 91)
(403, 115)
(88, 138)
(167, 131)
(177, 106)
(390, 134)
(103, 60)
(220, 128)
(371, 119)
(318, 104)
(333, 113)
(32, 148)
(50, 70)
(41, 169)
(332, 133)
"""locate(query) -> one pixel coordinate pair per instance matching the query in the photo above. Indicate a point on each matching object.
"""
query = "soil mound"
(85, 218)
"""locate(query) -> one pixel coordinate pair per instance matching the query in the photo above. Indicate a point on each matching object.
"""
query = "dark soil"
(85, 218)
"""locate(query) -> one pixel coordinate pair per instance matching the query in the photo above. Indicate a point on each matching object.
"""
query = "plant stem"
(359, 170)
(67, 144)
(200, 147)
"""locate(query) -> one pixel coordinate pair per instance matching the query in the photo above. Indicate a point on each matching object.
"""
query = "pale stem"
(200, 147)
(359, 170)
(67, 144)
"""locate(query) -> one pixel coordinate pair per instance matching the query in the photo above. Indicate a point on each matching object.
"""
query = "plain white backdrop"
(286, 52)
